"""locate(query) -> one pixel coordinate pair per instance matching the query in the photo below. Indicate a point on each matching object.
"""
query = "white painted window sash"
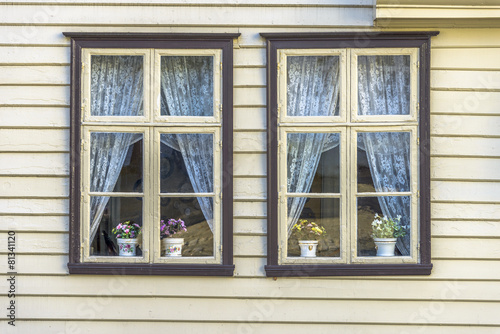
(282, 85)
(86, 194)
(348, 124)
(216, 195)
(217, 82)
(151, 125)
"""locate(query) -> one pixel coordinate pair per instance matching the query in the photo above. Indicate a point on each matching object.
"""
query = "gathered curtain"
(313, 90)
(384, 89)
(116, 90)
(187, 90)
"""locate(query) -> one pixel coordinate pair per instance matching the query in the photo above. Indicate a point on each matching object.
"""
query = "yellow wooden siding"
(461, 295)
(192, 15)
(362, 311)
(250, 324)
(36, 117)
(438, 13)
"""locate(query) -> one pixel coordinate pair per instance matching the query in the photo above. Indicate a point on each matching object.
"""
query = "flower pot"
(385, 246)
(173, 246)
(308, 248)
(127, 247)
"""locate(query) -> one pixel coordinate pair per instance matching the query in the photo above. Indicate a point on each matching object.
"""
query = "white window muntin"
(353, 55)
(354, 194)
(282, 85)
(348, 191)
(284, 195)
(85, 195)
(217, 85)
(86, 82)
(390, 123)
(216, 195)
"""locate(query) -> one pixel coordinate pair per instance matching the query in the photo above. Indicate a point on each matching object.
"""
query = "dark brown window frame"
(277, 41)
(157, 41)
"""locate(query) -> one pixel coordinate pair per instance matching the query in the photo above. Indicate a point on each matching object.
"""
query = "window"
(348, 127)
(151, 141)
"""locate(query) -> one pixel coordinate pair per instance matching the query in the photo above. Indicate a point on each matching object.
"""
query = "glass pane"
(324, 212)
(313, 86)
(116, 87)
(116, 162)
(187, 86)
(313, 162)
(392, 207)
(384, 85)
(186, 163)
(197, 214)
(384, 162)
(105, 214)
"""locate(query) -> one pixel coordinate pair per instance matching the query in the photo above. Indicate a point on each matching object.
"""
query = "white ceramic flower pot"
(308, 248)
(385, 246)
(127, 247)
(173, 246)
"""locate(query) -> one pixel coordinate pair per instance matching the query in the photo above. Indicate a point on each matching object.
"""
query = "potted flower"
(126, 236)
(385, 233)
(169, 231)
(308, 234)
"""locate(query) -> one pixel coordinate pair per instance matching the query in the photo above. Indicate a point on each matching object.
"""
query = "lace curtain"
(116, 90)
(384, 89)
(187, 90)
(313, 86)
(312, 90)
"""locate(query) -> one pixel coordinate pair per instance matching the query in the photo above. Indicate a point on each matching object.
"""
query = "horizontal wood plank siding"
(461, 295)
(247, 324)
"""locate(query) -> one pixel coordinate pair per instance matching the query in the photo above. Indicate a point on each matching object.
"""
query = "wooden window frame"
(362, 40)
(176, 43)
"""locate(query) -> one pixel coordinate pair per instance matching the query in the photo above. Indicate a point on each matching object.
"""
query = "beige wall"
(463, 290)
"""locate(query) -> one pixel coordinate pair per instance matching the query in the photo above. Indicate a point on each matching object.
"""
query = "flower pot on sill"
(172, 246)
(127, 247)
(385, 246)
(308, 248)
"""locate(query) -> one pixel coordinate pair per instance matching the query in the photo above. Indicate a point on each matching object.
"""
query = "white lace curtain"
(384, 89)
(116, 90)
(313, 90)
(187, 90)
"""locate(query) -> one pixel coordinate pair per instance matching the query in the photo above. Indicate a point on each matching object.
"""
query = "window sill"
(151, 269)
(347, 270)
